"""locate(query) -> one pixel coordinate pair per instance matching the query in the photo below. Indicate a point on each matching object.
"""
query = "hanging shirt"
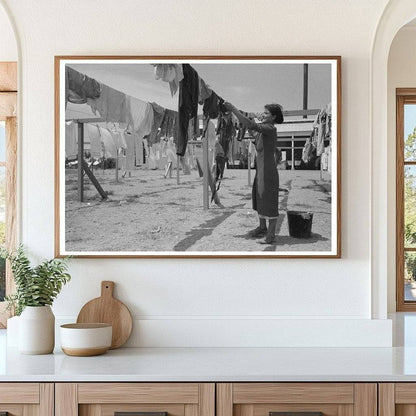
(188, 105)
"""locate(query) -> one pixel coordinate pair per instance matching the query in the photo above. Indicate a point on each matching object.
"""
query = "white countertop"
(213, 364)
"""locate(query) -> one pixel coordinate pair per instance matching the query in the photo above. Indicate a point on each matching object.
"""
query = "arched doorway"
(396, 14)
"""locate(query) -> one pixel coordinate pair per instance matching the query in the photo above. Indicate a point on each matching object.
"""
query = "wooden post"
(178, 161)
(305, 88)
(116, 164)
(205, 168)
(293, 152)
(249, 168)
(80, 160)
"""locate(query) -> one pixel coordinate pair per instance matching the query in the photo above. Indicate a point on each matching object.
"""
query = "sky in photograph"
(248, 86)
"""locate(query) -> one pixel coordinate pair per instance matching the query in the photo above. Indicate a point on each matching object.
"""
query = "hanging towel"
(188, 105)
(71, 150)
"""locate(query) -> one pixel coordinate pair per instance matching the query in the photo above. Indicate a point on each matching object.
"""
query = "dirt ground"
(146, 212)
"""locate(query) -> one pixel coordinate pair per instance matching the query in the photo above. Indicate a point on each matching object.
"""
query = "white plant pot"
(37, 330)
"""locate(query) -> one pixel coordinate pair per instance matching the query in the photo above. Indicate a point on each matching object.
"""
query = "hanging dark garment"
(225, 130)
(188, 105)
(241, 132)
(211, 106)
(169, 123)
(79, 87)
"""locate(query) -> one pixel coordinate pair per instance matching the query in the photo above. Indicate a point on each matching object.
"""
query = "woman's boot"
(260, 231)
(271, 231)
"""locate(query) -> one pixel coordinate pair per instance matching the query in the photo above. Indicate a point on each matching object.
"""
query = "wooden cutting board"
(107, 309)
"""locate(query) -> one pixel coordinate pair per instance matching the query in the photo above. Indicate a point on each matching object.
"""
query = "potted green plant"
(36, 289)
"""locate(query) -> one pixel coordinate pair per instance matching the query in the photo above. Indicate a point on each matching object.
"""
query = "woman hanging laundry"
(265, 193)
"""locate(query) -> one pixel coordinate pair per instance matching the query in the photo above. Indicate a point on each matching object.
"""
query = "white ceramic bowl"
(83, 340)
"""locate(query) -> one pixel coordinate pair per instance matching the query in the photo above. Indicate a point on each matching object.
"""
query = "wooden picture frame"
(113, 197)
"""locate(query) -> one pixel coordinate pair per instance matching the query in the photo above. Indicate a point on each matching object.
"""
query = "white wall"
(8, 46)
(179, 302)
(401, 74)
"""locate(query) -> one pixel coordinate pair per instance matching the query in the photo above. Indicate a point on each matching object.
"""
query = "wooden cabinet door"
(397, 399)
(153, 399)
(27, 399)
(297, 399)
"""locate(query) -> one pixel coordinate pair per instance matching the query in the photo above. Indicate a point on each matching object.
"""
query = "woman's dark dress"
(265, 193)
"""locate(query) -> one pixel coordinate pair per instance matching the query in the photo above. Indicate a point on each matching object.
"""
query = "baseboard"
(258, 332)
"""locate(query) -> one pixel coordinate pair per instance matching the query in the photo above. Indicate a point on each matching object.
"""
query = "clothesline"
(144, 119)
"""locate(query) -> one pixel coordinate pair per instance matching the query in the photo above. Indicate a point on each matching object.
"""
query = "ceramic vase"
(37, 330)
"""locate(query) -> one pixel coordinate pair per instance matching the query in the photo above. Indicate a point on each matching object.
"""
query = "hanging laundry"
(118, 136)
(211, 106)
(188, 105)
(225, 130)
(171, 73)
(140, 116)
(320, 145)
(80, 87)
(204, 91)
(92, 135)
(107, 143)
(129, 137)
(307, 151)
(158, 113)
(169, 123)
(71, 149)
(111, 105)
(140, 121)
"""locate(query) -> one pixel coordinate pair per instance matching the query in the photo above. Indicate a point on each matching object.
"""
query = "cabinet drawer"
(108, 399)
(296, 399)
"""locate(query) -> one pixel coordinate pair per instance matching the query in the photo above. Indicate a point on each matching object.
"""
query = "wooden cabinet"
(297, 399)
(27, 399)
(208, 399)
(106, 399)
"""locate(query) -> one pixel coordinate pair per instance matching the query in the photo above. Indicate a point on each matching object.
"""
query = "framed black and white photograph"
(198, 156)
